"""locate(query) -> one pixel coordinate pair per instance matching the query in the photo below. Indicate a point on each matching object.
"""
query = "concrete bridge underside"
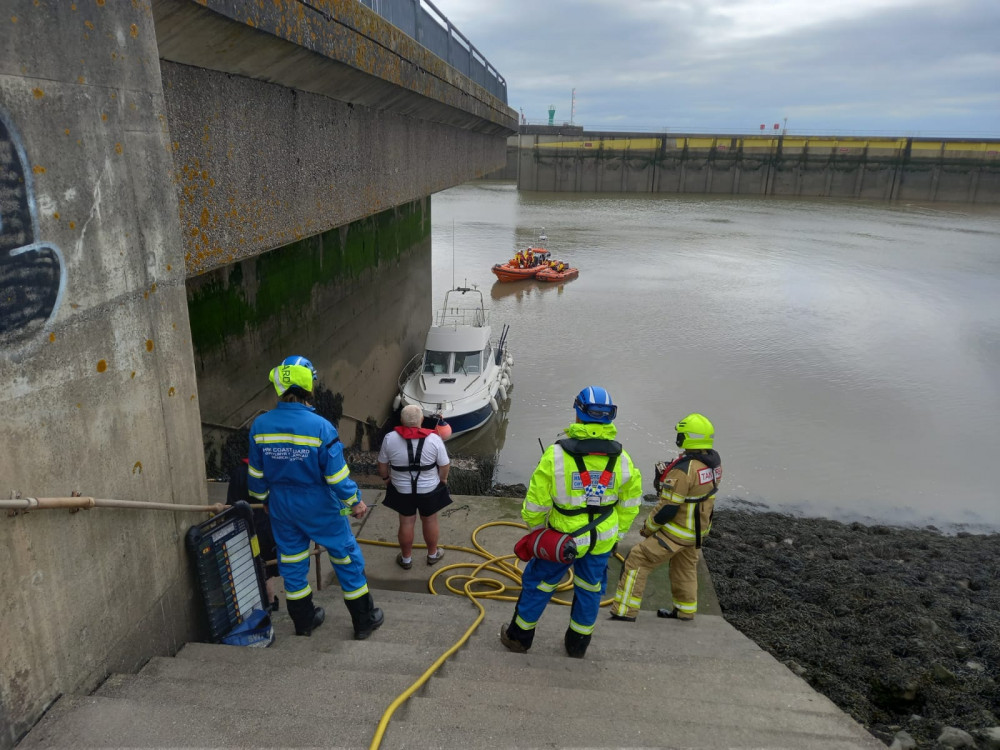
(147, 147)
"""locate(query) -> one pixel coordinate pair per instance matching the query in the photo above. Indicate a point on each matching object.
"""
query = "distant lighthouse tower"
(552, 114)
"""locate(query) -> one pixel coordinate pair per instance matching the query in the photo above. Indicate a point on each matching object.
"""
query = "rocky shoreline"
(899, 627)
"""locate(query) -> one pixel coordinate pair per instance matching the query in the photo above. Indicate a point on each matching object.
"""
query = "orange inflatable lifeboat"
(557, 271)
(525, 265)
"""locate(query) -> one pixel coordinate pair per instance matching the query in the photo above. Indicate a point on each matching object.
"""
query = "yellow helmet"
(286, 377)
(695, 432)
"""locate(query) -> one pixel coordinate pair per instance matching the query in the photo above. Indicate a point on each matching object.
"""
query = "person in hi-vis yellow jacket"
(585, 485)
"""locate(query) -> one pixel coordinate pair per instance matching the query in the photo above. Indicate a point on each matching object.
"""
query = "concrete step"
(776, 713)
(96, 722)
(421, 618)
(403, 658)
(425, 619)
(330, 690)
(497, 727)
(332, 694)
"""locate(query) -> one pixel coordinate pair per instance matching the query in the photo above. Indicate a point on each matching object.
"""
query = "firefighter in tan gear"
(674, 529)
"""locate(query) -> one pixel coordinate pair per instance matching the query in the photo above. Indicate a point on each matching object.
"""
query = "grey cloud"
(647, 65)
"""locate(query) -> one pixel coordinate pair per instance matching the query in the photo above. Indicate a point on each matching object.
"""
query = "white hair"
(411, 416)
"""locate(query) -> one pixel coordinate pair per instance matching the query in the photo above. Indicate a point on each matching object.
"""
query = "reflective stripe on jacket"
(294, 450)
(692, 486)
(556, 483)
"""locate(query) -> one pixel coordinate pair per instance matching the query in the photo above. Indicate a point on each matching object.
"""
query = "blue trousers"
(295, 522)
(539, 581)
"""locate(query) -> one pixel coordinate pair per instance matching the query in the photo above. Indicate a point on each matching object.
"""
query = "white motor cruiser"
(464, 373)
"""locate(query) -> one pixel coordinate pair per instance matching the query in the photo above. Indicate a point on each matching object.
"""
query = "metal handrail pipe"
(56, 503)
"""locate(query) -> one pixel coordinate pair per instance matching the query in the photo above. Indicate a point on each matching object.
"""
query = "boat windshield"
(436, 363)
(467, 363)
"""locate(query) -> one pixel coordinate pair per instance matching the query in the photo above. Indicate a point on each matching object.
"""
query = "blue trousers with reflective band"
(294, 524)
(540, 577)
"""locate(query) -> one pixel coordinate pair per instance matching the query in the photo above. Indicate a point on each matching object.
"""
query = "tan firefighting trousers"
(645, 557)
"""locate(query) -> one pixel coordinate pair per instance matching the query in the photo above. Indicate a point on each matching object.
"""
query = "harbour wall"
(356, 300)
(884, 169)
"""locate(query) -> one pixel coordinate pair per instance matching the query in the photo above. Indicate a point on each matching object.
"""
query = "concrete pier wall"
(99, 394)
(144, 148)
(356, 300)
(957, 170)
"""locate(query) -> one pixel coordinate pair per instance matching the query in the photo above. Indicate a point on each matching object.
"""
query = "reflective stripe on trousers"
(539, 579)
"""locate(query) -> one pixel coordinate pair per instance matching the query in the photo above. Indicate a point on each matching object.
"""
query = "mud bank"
(899, 627)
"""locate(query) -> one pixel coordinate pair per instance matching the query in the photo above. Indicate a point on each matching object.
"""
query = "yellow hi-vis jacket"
(689, 489)
(556, 484)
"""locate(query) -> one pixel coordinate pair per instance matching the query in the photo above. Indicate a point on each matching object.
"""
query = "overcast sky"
(878, 67)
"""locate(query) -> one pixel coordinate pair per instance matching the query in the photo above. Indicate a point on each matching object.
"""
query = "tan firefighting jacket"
(689, 486)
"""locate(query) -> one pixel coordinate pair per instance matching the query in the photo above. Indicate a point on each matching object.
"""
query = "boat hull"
(463, 423)
(549, 274)
(506, 272)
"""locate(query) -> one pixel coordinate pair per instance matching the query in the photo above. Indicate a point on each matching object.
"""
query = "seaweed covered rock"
(899, 627)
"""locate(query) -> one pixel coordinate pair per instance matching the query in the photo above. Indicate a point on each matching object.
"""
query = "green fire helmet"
(285, 377)
(695, 432)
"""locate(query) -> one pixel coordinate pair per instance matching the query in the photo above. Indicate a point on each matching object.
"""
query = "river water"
(848, 353)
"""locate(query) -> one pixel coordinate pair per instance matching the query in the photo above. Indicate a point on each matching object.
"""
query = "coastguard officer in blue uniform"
(297, 470)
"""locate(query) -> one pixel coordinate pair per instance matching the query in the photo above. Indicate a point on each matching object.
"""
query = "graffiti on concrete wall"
(32, 273)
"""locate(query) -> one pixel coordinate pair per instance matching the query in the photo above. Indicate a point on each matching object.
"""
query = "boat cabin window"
(436, 363)
(467, 363)
(487, 353)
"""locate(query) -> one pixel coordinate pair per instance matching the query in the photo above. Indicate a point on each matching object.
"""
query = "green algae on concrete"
(244, 296)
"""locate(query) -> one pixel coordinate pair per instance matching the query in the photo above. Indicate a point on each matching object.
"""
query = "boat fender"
(443, 429)
(505, 381)
(502, 392)
(510, 360)
(397, 402)
(494, 405)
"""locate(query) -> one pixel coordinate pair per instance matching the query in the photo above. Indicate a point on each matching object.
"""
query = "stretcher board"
(230, 571)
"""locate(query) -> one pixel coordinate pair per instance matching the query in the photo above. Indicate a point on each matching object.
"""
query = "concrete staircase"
(330, 691)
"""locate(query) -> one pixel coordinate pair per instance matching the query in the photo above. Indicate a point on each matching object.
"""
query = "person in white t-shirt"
(415, 464)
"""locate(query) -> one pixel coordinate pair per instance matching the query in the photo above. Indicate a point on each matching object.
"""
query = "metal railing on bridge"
(421, 20)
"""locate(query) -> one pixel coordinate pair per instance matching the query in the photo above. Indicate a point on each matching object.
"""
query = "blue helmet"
(594, 404)
(301, 362)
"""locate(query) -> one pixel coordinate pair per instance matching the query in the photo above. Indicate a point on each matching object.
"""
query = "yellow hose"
(498, 564)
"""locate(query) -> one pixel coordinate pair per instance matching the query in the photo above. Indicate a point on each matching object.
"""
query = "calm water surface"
(848, 353)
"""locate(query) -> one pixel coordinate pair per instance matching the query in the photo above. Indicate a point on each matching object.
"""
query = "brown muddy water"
(847, 352)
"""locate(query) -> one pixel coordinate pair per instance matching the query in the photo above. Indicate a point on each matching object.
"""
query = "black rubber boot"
(367, 618)
(515, 638)
(304, 615)
(576, 644)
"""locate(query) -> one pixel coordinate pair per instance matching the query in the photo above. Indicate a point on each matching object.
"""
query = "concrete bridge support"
(99, 388)
(150, 154)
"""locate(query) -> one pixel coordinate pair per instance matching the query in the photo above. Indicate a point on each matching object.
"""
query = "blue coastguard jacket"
(294, 452)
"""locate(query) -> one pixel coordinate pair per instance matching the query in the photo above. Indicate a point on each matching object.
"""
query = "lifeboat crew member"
(675, 527)
(297, 470)
(585, 485)
(529, 257)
